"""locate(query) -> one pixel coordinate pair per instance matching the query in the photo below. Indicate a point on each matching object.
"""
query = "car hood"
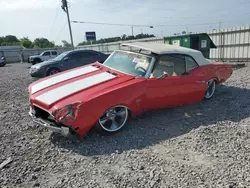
(34, 56)
(78, 84)
(44, 63)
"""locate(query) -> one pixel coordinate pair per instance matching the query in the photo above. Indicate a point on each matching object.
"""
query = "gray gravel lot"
(164, 148)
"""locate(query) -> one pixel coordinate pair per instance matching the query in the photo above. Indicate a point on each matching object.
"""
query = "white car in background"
(44, 56)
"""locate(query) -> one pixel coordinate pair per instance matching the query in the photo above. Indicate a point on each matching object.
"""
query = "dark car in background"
(65, 61)
(2, 61)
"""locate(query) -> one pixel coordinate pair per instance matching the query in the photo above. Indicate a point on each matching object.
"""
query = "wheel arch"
(37, 59)
(130, 112)
(216, 80)
(49, 68)
(96, 104)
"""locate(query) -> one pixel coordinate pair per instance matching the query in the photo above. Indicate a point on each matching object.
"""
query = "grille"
(40, 113)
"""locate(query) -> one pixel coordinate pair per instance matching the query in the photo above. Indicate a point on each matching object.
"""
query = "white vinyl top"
(160, 48)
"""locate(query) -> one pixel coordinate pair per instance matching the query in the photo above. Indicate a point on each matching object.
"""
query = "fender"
(91, 110)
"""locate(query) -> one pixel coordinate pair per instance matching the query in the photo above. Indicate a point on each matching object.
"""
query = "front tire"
(52, 71)
(211, 87)
(113, 119)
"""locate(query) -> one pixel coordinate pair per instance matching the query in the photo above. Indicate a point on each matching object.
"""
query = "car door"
(53, 54)
(89, 57)
(194, 86)
(71, 61)
(176, 88)
(161, 93)
(46, 56)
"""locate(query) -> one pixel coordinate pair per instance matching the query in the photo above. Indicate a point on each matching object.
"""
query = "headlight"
(33, 69)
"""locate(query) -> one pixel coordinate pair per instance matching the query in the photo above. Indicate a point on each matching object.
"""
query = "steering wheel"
(141, 69)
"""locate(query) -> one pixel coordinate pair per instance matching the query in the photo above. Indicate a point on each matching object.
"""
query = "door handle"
(200, 82)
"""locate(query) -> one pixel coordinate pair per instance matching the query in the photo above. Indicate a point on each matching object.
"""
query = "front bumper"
(36, 73)
(2, 64)
(49, 125)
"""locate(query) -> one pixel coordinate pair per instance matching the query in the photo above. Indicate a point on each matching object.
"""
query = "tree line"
(11, 40)
(116, 39)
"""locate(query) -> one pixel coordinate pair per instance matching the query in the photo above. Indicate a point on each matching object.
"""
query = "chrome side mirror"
(163, 75)
(66, 58)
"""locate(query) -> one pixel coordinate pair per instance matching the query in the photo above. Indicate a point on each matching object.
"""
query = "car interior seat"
(180, 68)
(164, 66)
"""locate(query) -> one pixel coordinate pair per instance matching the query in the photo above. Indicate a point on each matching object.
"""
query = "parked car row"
(65, 61)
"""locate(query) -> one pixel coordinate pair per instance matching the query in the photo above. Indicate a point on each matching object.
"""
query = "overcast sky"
(45, 18)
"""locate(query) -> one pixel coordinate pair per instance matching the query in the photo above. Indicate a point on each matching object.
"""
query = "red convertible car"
(148, 76)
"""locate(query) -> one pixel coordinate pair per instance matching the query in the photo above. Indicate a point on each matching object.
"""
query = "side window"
(191, 64)
(76, 55)
(172, 65)
(46, 54)
(54, 53)
(89, 54)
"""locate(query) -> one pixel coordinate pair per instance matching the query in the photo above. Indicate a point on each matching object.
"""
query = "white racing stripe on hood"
(62, 77)
(68, 89)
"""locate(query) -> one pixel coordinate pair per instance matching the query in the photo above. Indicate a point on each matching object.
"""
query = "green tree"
(66, 44)
(26, 42)
(1, 40)
(115, 39)
(43, 43)
(124, 37)
(9, 40)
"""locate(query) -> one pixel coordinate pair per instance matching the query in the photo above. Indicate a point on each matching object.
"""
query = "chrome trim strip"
(62, 130)
(150, 68)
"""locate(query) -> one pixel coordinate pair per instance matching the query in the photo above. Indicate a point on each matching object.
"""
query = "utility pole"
(66, 9)
(132, 31)
(220, 40)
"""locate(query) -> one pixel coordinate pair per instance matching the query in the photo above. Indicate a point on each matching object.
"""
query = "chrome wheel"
(210, 89)
(114, 118)
(52, 71)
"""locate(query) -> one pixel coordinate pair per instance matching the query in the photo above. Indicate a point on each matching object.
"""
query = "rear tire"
(52, 71)
(211, 87)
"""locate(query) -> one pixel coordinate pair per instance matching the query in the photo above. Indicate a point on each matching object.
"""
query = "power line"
(151, 26)
(99, 23)
(55, 17)
(61, 31)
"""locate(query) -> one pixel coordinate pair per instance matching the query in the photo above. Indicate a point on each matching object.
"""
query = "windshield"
(60, 57)
(130, 63)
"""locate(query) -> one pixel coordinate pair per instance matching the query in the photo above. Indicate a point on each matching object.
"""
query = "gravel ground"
(164, 148)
